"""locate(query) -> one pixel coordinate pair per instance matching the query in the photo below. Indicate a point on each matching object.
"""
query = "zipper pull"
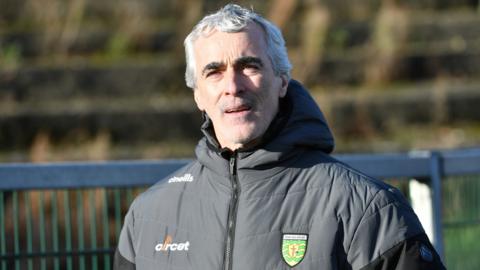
(233, 161)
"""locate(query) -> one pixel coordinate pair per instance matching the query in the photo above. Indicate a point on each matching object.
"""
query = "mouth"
(238, 109)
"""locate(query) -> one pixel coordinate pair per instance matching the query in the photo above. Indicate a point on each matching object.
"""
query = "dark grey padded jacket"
(241, 210)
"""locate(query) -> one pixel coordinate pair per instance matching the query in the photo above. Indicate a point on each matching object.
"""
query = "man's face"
(236, 85)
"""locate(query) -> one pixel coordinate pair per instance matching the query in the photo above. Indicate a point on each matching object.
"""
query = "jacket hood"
(306, 126)
(299, 125)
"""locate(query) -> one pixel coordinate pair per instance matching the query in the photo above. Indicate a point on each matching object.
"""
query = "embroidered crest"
(294, 247)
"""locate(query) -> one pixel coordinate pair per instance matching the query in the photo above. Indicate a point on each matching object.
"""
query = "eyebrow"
(211, 66)
(242, 61)
(246, 60)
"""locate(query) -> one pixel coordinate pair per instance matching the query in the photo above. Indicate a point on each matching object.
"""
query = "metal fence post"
(436, 186)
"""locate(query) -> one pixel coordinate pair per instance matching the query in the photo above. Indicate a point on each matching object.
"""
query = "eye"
(212, 73)
(251, 69)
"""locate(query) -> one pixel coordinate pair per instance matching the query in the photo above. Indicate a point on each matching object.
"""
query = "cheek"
(212, 109)
(269, 94)
(198, 100)
(205, 98)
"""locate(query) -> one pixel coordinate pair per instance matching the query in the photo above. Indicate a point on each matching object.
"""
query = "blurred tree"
(387, 43)
(315, 24)
(281, 11)
(58, 23)
(189, 12)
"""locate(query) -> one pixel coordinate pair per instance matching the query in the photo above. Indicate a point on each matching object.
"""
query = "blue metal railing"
(416, 164)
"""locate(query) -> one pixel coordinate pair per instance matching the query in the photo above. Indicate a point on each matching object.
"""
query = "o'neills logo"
(186, 178)
(169, 245)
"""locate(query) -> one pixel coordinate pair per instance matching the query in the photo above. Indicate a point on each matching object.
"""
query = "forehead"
(222, 46)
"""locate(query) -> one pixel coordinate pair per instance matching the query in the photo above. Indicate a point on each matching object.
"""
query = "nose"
(233, 83)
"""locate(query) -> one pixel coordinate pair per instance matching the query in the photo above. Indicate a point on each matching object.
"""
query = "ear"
(284, 86)
(198, 99)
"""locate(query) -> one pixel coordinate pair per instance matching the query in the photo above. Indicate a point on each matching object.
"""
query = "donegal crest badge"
(294, 247)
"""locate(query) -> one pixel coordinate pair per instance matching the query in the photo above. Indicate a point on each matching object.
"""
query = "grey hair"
(231, 19)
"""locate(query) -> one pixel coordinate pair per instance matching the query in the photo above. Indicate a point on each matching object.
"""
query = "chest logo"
(168, 244)
(294, 247)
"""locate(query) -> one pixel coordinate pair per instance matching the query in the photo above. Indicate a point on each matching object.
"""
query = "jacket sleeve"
(390, 236)
(415, 253)
(121, 263)
(124, 258)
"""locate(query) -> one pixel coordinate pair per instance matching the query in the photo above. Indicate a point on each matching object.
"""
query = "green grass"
(461, 214)
(462, 247)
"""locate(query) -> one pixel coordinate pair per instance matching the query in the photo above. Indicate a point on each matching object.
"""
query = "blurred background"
(98, 80)
(103, 80)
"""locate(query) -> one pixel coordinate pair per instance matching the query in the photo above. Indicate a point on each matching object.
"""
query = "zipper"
(232, 213)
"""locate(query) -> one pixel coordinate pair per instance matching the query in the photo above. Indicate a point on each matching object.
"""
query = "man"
(263, 192)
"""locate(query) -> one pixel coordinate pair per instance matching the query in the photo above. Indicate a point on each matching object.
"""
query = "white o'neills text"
(186, 178)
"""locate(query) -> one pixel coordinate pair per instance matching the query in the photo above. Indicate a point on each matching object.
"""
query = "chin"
(239, 138)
